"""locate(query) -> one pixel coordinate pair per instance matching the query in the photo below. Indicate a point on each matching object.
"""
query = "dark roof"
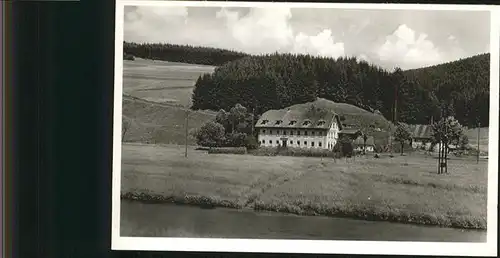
(297, 118)
(349, 131)
(369, 142)
(421, 131)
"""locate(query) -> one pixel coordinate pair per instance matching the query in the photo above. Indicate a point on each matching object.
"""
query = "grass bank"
(402, 189)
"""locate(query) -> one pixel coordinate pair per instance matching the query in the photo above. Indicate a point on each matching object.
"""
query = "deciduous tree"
(402, 134)
(211, 134)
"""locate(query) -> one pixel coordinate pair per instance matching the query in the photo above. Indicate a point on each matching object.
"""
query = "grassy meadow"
(160, 81)
(403, 189)
(483, 138)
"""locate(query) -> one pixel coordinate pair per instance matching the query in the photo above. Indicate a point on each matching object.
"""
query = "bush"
(251, 142)
(228, 150)
(344, 147)
(235, 140)
(396, 148)
(210, 134)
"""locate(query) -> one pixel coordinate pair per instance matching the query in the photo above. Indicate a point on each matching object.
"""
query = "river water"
(170, 220)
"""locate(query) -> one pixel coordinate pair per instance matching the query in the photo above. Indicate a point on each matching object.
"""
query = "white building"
(308, 128)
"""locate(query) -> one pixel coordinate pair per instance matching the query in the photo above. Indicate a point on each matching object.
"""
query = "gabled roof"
(421, 131)
(349, 131)
(297, 118)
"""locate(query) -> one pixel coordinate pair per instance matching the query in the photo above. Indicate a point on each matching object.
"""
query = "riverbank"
(139, 219)
(402, 189)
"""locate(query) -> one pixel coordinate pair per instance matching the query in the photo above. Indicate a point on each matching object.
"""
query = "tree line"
(275, 81)
(181, 53)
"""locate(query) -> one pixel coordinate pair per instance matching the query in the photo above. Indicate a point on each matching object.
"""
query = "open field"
(157, 95)
(160, 81)
(405, 189)
(150, 122)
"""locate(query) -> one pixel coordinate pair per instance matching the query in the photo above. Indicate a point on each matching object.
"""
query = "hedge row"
(228, 150)
(298, 152)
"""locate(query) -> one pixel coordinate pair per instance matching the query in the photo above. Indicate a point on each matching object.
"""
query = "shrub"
(210, 134)
(228, 150)
(235, 140)
(251, 142)
(344, 146)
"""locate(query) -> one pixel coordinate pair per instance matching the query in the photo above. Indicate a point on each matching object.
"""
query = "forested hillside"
(276, 81)
(465, 84)
(182, 53)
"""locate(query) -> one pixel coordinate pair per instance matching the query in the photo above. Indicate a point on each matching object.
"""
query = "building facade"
(298, 129)
(421, 136)
(359, 144)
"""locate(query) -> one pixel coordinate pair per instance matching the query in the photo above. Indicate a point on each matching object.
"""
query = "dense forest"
(275, 81)
(465, 84)
(182, 53)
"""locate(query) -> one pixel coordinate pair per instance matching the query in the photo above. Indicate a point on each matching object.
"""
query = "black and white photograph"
(275, 124)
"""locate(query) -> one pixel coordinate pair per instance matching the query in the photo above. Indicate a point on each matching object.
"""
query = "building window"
(321, 123)
(292, 122)
(298, 132)
(319, 144)
(306, 123)
(278, 122)
(298, 143)
(291, 142)
(312, 144)
(305, 143)
(263, 131)
(291, 132)
(305, 132)
(284, 132)
(277, 142)
(270, 142)
(264, 122)
(312, 133)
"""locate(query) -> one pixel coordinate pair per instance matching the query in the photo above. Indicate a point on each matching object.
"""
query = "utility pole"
(396, 102)
(187, 124)
(440, 143)
(390, 138)
(253, 120)
(478, 133)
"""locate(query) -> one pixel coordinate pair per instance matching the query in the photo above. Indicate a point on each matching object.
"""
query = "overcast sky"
(408, 39)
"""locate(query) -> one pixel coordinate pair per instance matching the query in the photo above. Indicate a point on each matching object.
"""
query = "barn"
(421, 136)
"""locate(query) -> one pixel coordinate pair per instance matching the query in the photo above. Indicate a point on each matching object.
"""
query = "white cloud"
(262, 29)
(404, 46)
(143, 20)
(320, 45)
(364, 57)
